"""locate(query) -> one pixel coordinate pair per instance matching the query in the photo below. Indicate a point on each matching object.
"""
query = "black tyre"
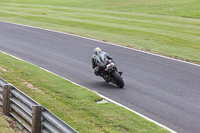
(118, 78)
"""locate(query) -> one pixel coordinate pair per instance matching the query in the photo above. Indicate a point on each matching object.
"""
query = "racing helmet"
(97, 51)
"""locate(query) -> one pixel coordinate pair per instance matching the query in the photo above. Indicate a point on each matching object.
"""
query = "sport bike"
(109, 72)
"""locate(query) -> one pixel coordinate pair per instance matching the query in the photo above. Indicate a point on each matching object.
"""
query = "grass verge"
(4, 126)
(73, 104)
(8, 125)
(170, 28)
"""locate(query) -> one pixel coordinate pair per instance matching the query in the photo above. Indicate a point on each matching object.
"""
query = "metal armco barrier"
(2, 83)
(32, 116)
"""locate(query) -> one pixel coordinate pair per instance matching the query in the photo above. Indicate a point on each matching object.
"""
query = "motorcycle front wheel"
(118, 79)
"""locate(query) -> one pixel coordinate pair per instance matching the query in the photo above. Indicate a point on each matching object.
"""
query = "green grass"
(75, 105)
(170, 28)
(4, 126)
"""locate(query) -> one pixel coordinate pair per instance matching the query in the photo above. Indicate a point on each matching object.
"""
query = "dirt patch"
(30, 85)
(12, 123)
(27, 84)
(4, 70)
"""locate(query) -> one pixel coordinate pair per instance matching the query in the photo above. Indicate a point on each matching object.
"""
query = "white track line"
(88, 88)
(108, 99)
(104, 43)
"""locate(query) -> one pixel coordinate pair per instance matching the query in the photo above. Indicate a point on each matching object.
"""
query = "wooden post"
(6, 100)
(36, 119)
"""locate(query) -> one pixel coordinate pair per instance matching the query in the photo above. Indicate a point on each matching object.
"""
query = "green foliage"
(75, 105)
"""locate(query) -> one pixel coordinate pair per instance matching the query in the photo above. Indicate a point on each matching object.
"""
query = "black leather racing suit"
(96, 60)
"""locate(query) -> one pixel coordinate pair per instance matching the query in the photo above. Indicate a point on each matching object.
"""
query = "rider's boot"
(120, 72)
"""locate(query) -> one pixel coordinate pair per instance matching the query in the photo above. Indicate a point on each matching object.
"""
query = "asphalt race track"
(165, 90)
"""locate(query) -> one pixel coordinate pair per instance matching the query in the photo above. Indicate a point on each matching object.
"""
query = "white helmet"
(97, 51)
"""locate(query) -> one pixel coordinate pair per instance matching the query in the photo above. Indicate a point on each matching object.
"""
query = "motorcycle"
(109, 73)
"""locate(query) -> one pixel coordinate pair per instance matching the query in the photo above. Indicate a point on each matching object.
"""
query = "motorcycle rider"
(97, 59)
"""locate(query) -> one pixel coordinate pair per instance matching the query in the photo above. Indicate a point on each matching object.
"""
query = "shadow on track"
(104, 85)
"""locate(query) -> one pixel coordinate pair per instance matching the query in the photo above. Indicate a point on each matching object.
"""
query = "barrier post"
(36, 119)
(6, 99)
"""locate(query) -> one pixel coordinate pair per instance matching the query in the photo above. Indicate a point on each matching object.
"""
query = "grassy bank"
(170, 28)
(75, 105)
(4, 126)
(7, 125)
